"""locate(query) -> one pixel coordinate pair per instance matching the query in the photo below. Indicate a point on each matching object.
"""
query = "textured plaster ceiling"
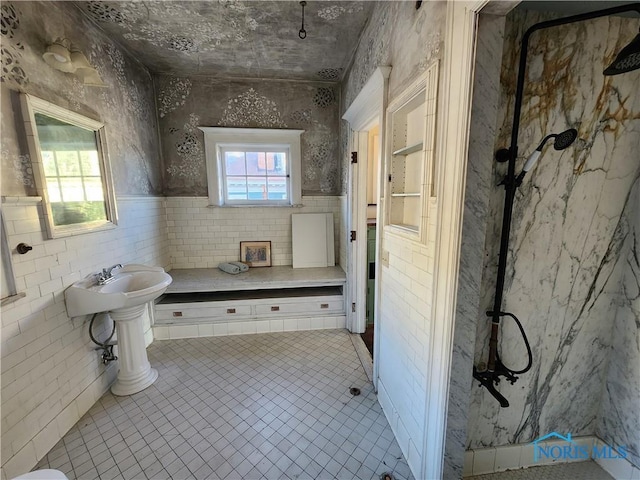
(236, 38)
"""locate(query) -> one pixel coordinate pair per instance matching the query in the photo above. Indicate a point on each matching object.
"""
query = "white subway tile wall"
(405, 325)
(51, 374)
(201, 236)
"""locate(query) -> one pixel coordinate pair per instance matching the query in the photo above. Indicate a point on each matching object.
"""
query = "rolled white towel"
(229, 268)
(242, 266)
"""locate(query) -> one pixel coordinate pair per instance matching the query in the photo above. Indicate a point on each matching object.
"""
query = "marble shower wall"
(618, 419)
(479, 179)
(126, 105)
(567, 235)
(187, 103)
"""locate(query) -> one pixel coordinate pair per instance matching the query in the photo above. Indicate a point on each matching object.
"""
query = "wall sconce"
(65, 57)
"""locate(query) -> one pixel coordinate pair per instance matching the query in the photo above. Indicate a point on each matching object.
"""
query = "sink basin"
(132, 285)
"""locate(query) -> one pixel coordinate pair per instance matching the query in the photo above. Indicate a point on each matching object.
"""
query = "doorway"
(372, 198)
(365, 114)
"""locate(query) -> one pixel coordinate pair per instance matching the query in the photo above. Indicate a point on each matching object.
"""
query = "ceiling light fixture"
(65, 57)
(302, 33)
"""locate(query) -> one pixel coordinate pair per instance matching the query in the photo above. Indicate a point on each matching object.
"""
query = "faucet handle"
(111, 268)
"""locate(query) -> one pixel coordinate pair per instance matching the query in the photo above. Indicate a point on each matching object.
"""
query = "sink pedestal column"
(135, 372)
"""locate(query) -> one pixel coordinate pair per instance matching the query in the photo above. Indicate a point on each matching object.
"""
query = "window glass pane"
(257, 187)
(49, 163)
(234, 163)
(277, 187)
(68, 164)
(53, 190)
(236, 188)
(72, 190)
(90, 163)
(277, 163)
(93, 189)
(69, 213)
(255, 163)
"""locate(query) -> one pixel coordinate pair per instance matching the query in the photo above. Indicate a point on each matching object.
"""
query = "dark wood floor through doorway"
(367, 338)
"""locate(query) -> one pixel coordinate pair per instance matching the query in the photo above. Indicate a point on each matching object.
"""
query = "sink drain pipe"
(106, 346)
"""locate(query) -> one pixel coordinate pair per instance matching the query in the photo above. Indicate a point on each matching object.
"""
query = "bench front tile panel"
(207, 302)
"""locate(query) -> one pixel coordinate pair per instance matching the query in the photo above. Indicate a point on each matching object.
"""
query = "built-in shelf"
(405, 194)
(411, 133)
(408, 228)
(409, 149)
(406, 123)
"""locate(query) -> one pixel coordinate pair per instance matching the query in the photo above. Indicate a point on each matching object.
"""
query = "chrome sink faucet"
(107, 274)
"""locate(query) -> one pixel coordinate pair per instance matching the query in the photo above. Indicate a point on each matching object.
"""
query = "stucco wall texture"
(187, 103)
(126, 105)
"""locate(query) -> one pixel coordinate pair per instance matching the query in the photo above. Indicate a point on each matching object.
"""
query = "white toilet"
(46, 474)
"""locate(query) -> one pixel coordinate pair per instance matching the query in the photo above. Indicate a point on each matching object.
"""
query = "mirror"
(71, 168)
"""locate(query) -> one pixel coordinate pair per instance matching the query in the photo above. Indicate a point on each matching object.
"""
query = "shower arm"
(494, 366)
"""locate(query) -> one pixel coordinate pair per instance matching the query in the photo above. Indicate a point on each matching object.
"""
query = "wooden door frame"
(366, 110)
(452, 153)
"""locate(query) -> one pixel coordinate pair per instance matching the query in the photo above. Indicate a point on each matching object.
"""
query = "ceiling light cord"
(302, 33)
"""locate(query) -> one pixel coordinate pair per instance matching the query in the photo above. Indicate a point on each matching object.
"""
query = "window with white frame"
(71, 166)
(253, 166)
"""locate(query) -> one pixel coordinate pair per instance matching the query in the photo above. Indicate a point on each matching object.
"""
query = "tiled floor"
(565, 471)
(243, 407)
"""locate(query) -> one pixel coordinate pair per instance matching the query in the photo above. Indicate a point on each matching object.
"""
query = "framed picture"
(256, 254)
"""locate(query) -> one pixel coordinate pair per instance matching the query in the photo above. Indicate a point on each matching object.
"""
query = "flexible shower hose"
(526, 343)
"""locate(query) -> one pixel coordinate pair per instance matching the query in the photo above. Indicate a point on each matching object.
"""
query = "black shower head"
(627, 60)
(564, 139)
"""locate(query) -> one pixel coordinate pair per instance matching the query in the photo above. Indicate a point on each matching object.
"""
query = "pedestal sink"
(125, 297)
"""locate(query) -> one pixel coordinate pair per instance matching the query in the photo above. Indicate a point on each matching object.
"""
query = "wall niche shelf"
(411, 134)
(408, 150)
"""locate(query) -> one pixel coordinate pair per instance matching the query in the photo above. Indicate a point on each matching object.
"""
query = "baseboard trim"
(171, 332)
(512, 457)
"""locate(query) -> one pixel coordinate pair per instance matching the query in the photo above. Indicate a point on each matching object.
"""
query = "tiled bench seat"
(209, 302)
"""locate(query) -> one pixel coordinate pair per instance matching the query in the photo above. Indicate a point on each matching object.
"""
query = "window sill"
(12, 299)
(299, 205)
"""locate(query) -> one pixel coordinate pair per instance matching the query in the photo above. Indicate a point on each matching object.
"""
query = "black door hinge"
(353, 236)
(353, 307)
(354, 157)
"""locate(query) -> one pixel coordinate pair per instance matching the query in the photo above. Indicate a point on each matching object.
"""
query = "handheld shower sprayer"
(562, 141)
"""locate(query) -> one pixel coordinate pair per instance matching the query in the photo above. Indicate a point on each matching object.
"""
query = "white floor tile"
(245, 406)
